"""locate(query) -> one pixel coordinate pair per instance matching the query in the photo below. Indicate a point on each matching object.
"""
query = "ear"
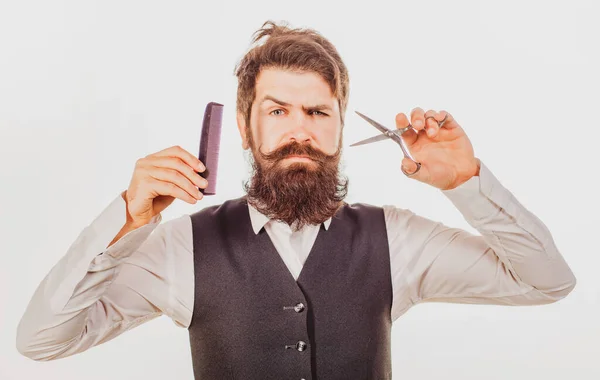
(241, 124)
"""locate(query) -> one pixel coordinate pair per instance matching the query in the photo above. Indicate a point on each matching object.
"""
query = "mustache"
(294, 148)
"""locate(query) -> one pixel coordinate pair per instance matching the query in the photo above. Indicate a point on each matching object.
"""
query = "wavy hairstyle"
(302, 50)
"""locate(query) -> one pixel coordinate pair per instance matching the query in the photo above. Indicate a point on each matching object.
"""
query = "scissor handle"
(409, 174)
(397, 137)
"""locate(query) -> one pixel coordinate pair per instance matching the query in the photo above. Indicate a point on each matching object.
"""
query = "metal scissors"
(396, 136)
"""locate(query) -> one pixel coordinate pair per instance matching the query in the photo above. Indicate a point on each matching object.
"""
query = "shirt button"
(299, 308)
(301, 346)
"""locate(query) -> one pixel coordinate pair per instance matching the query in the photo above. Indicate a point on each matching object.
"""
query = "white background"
(87, 87)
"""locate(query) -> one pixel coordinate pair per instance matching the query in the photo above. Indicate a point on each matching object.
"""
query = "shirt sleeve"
(94, 294)
(513, 260)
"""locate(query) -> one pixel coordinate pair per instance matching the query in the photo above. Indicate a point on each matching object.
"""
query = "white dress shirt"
(94, 294)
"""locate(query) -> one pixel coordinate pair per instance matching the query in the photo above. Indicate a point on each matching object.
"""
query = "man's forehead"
(290, 88)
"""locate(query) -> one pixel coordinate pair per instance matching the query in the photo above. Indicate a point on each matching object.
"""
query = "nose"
(299, 130)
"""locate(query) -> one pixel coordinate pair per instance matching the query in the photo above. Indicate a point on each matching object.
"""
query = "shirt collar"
(259, 219)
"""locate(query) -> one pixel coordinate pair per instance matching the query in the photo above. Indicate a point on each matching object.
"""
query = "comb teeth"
(210, 141)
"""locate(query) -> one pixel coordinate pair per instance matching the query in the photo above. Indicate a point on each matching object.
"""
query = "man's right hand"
(158, 179)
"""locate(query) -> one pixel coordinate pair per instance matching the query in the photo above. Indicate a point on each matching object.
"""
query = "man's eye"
(277, 110)
(319, 113)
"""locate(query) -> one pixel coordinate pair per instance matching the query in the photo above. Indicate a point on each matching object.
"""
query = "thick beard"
(300, 193)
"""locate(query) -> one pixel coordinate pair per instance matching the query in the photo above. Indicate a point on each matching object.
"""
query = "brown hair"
(304, 50)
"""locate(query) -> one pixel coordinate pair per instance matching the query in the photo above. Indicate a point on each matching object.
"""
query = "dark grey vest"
(252, 320)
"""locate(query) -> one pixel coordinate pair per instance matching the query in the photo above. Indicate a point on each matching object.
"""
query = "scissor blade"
(373, 123)
(371, 140)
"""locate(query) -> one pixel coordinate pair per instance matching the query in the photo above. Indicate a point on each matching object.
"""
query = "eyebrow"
(317, 107)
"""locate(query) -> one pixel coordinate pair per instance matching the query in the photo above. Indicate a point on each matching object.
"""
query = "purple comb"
(209, 145)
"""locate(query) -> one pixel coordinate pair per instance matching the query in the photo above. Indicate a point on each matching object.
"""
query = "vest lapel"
(265, 243)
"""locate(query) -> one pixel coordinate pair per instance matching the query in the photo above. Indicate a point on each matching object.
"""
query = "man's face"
(295, 137)
(292, 107)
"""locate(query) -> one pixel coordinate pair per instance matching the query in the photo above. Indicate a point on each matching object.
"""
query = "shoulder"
(361, 214)
(389, 211)
(395, 218)
(397, 214)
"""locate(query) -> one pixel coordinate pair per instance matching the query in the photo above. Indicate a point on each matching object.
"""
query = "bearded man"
(289, 281)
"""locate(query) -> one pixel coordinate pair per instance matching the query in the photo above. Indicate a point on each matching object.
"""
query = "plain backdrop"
(87, 87)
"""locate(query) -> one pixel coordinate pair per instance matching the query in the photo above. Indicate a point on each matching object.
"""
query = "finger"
(417, 118)
(410, 136)
(431, 123)
(401, 121)
(409, 166)
(184, 155)
(173, 176)
(449, 121)
(170, 189)
(176, 164)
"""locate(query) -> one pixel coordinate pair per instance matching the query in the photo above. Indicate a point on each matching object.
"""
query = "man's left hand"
(446, 154)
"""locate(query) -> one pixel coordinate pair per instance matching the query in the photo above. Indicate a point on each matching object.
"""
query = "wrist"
(473, 171)
(132, 223)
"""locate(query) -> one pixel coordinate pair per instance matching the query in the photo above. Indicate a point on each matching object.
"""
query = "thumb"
(408, 165)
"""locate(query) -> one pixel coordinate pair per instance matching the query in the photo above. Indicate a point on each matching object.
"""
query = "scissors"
(396, 136)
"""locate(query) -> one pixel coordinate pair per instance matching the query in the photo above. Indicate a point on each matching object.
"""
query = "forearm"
(520, 240)
(128, 226)
(57, 317)
(511, 261)
(526, 246)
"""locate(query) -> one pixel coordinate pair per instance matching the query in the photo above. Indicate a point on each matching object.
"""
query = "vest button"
(301, 346)
(299, 308)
